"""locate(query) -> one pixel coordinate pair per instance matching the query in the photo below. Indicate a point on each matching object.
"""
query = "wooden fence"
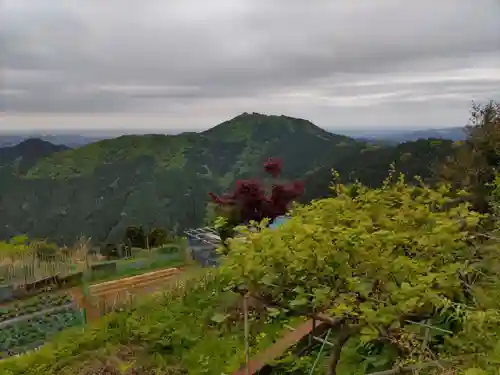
(108, 296)
(29, 267)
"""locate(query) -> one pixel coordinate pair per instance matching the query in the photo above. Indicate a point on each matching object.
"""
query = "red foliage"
(273, 167)
(251, 201)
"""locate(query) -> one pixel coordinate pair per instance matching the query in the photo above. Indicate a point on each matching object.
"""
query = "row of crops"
(27, 325)
(33, 305)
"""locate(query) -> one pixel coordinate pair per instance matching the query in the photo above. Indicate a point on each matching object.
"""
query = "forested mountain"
(68, 140)
(27, 153)
(163, 180)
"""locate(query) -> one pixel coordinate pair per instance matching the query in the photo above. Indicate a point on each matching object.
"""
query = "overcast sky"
(184, 64)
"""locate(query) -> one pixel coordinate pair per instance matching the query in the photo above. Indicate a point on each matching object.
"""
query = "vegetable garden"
(28, 324)
(33, 332)
(33, 305)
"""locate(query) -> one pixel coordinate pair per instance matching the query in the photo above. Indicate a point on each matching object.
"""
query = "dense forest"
(100, 189)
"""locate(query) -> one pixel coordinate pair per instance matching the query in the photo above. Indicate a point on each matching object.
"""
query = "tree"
(475, 162)
(111, 251)
(44, 249)
(393, 267)
(135, 237)
(249, 200)
(157, 237)
(211, 214)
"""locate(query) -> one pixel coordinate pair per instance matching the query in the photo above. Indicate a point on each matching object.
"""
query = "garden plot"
(27, 325)
(33, 305)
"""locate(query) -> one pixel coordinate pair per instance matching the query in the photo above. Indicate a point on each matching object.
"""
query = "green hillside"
(163, 180)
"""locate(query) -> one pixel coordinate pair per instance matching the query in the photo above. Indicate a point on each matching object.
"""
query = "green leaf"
(475, 371)
(368, 334)
(273, 311)
(219, 318)
(298, 302)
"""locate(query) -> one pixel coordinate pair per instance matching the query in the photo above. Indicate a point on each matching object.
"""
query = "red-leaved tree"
(249, 200)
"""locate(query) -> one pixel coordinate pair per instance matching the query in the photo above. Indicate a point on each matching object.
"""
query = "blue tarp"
(280, 220)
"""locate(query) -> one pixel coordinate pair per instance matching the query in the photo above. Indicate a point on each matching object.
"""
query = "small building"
(203, 243)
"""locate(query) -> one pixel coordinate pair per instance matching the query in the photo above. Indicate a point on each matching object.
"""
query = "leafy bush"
(249, 200)
(22, 245)
(402, 276)
(168, 249)
(44, 249)
(17, 246)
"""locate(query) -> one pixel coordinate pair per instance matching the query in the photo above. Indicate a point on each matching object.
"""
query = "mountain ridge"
(28, 152)
(163, 180)
(451, 133)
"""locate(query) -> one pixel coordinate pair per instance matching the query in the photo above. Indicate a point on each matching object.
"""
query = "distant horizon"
(113, 133)
(115, 130)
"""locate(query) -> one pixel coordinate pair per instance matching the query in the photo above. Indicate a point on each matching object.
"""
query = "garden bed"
(31, 333)
(35, 304)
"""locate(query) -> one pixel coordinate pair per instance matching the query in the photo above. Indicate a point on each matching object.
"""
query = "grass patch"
(124, 270)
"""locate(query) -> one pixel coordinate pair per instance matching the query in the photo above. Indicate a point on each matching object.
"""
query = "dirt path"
(279, 347)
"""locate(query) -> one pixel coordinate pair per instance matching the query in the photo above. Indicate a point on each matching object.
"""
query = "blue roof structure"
(279, 221)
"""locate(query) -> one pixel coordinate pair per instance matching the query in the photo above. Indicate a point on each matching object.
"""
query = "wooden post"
(247, 346)
(79, 298)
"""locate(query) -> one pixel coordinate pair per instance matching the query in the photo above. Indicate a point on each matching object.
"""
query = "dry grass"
(124, 360)
(26, 266)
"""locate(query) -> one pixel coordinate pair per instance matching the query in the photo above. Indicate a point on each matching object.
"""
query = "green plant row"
(30, 333)
(38, 303)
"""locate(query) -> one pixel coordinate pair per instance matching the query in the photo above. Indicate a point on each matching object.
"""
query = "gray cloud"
(188, 62)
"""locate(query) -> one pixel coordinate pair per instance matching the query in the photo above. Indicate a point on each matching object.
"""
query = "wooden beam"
(278, 348)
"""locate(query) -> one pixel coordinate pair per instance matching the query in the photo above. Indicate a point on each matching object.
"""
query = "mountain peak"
(35, 142)
(264, 127)
(29, 151)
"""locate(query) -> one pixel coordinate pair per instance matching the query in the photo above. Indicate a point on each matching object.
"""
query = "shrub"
(44, 249)
(386, 264)
(250, 202)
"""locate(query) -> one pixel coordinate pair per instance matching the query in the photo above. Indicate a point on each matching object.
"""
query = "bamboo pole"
(247, 346)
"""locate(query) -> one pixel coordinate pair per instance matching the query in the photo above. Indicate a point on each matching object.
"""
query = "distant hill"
(69, 140)
(11, 140)
(163, 180)
(453, 134)
(27, 153)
